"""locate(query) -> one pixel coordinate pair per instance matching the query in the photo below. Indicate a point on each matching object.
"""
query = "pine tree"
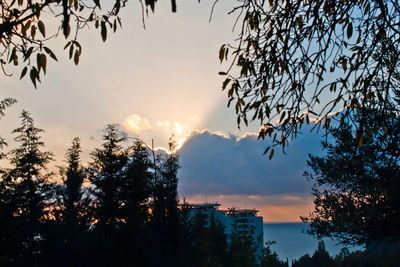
(106, 177)
(25, 195)
(135, 197)
(5, 103)
(165, 219)
(74, 177)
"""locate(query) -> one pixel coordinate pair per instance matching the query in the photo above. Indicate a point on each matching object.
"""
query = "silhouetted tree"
(270, 258)
(69, 239)
(165, 219)
(24, 197)
(135, 197)
(321, 256)
(242, 252)
(74, 177)
(357, 183)
(303, 261)
(106, 175)
(208, 242)
(5, 103)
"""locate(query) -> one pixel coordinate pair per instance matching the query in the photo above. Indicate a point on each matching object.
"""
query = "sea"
(292, 241)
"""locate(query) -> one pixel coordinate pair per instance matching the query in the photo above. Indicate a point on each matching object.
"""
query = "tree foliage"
(27, 26)
(25, 196)
(5, 103)
(356, 184)
(297, 60)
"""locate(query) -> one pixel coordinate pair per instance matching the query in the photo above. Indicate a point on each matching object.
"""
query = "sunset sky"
(159, 81)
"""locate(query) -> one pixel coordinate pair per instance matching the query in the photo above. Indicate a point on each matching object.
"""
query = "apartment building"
(240, 221)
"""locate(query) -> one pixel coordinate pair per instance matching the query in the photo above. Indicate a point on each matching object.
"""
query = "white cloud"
(136, 124)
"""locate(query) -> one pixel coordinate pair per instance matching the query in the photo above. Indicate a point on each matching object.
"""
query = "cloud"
(216, 164)
(136, 124)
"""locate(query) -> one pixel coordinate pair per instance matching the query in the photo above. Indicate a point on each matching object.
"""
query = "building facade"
(239, 221)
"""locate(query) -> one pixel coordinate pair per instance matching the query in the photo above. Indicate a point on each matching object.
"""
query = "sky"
(160, 81)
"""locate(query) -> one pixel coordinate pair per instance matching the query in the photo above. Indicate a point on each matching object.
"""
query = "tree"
(106, 176)
(208, 241)
(106, 172)
(26, 27)
(74, 177)
(270, 258)
(165, 219)
(319, 258)
(24, 198)
(135, 198)
(356, 184)
(242, 251)
(5, 103)
(299, 60)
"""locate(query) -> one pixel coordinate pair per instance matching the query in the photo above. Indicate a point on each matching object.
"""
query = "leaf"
(33, 31)
(23, 73)
(103, 31)
(71, 51)
(226, 82)
(76, 57)
(26, 27)
(349, 30)
(50, 53)
(97, 3)
(68, 44)
(221, 53)
(266, 150)
(68, 31)
(39, 61)
(13, 53)
(44, 62)
(42, 28)
(34, 75)
(271, 154)
(28, 53)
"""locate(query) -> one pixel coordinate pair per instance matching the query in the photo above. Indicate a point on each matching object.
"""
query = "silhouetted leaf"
(271, 154)
(97, 3)
(221, 53)
(25, 69)
(50, 53)
(76, 58)
(103, 31)
(349, 30)
(42, 28)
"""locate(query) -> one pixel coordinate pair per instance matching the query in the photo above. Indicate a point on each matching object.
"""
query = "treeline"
(366, 258)
(346, 258)
(120, 209)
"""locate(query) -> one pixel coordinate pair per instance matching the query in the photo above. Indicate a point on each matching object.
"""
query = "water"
(292, 242)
